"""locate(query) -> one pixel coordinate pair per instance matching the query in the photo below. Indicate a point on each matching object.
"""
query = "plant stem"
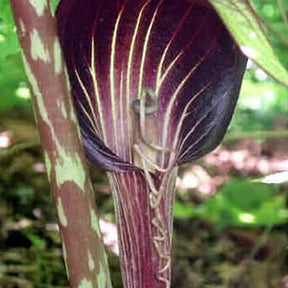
(70, 183)
(144, 227)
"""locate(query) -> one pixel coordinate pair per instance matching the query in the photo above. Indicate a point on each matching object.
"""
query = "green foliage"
(244, 25)
(262, 103)
(13, 84)
(272, 16)
(55, 4)
(240, 203)
(8, 38)
(11, 70)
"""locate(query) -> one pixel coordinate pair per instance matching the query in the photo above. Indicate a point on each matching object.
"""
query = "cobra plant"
(154, 83)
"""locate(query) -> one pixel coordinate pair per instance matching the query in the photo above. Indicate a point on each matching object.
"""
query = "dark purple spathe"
(180, 50)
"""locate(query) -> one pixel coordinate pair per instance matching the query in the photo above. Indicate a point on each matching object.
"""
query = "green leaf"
(239, 203)
(11, 78)
(272, 212)
(245, 195)
(247, 30)
(54, 4)
(184, 211)
(9, 44)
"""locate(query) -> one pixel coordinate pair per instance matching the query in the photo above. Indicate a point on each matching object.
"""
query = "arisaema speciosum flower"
(155, 83)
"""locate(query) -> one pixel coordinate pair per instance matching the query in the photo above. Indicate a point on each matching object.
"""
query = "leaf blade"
(242, 22)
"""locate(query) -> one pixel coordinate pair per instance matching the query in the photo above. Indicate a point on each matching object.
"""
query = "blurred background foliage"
(242, 186)
(263, 101)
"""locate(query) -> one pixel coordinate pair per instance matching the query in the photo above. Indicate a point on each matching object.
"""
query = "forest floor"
(205, 254)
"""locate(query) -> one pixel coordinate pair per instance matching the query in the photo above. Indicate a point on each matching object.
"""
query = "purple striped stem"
(71, 187)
